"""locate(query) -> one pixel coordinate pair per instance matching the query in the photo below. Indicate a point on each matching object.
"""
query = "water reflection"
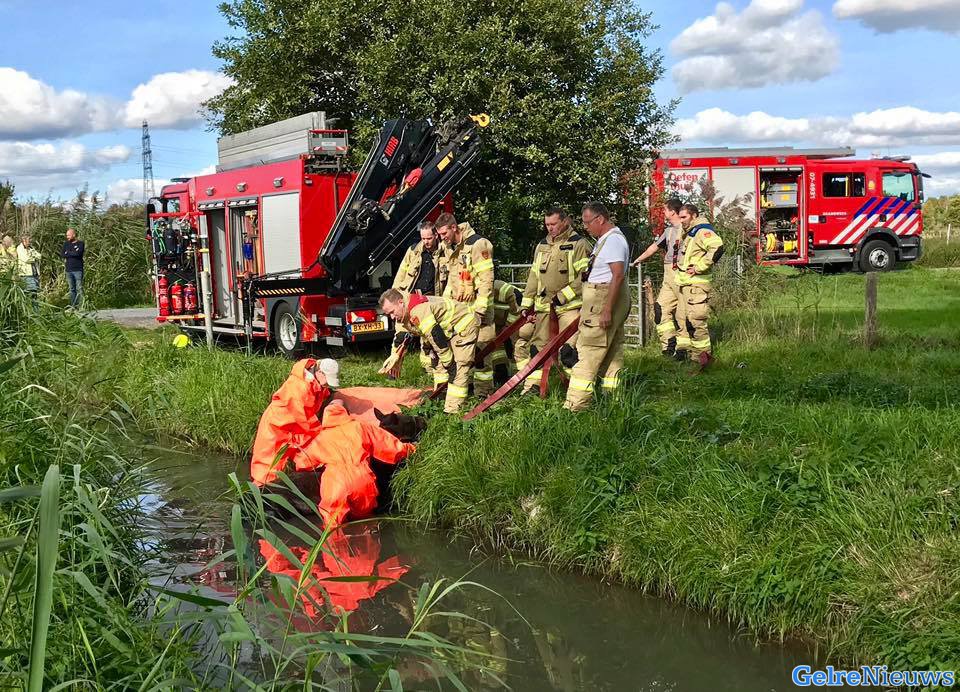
(347, 571)
(548, 631)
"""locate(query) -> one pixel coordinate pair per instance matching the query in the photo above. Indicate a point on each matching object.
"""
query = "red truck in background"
(296, 246)
(810, 207)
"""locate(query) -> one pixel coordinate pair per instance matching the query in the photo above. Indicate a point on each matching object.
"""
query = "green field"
(802, 487)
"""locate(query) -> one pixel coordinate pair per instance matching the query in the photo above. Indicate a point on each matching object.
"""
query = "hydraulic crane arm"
(411, 167)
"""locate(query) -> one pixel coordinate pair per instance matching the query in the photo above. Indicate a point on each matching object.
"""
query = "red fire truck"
(810, 207)
(296, 246)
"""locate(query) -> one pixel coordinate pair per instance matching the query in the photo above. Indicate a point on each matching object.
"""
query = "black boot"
(500, 375)
(568, 356)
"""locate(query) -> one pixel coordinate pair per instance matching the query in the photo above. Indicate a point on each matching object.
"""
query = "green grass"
(83, 604)
(803, 487)
(937, 252)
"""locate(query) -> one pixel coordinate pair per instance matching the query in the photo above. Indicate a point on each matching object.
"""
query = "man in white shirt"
(605, 307)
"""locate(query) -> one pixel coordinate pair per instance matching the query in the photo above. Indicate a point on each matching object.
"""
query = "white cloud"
(173, 99)
(941, 161)
(31, 109)
(769, 42)
(125, 190)
(900, 128)
(906, 121)
(890, 127)
(715, 124)
(25, 160)
(887, 16)
(131, 189)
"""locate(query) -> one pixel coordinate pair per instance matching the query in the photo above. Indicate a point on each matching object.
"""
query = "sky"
(872, 74)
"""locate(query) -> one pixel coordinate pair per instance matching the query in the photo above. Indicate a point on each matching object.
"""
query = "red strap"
(549, 349)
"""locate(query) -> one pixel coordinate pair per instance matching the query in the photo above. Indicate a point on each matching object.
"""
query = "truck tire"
(287, 331)
(877, 256)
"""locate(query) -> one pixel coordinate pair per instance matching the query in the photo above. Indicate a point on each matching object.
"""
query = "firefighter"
(506, 311)
(422, 270)
(604, 312)
(470, 283)
(451, 329)
(669, 297)
(701, 248)
(290, 421)
(553, 284)
(344, 446)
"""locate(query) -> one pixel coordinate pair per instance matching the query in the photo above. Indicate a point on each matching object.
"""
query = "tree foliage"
(941, 212)
(568, 85)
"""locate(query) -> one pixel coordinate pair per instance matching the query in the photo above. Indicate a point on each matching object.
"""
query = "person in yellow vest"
(28, 266)
(701, 248)
(470, 282)
(669, 297)
(8, 255)
(422, 270)
(506, 311)
(606, 303)
(554, 283)
(451, 329)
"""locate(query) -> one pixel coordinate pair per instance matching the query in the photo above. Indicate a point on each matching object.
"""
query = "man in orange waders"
(344, 447)
(291, 418)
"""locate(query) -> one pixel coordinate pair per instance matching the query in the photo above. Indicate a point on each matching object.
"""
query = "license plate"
(360, 327)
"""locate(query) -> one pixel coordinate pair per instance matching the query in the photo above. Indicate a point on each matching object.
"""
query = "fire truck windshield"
(899, 184)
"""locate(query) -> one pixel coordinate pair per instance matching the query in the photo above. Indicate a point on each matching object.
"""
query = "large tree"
(568, 85)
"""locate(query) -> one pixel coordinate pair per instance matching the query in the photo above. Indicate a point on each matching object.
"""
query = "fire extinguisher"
(190, 298)
(163, 296)
(176, 299)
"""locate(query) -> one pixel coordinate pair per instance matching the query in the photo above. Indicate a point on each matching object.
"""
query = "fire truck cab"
(813, 207)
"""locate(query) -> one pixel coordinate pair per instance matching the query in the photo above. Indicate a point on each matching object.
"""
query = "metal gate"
(635, 330)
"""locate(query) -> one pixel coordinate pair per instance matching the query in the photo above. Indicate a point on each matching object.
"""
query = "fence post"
(870, 315)
(949, 228)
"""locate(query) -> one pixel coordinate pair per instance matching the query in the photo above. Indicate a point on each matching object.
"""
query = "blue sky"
(749, 73)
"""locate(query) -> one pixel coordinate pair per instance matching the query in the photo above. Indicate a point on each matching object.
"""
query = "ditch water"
(575, 633)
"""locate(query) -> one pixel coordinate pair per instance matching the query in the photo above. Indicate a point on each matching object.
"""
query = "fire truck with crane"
(808, 207)
(296, 247)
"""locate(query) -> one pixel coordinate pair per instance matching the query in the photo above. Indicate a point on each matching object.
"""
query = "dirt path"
(143, 318)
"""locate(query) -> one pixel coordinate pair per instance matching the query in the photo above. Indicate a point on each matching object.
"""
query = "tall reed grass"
(84, 603)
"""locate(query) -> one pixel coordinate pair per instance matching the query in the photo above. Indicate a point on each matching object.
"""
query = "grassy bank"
(87, 599)
(804, 486)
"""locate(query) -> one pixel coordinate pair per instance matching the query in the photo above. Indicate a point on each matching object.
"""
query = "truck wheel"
(286, 331)
(877, 256)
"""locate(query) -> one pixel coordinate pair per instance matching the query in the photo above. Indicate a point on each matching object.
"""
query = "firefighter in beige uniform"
(669, 297)
(422, 270)
(450, 327)
(554, 282)
(701, 248)
(604, 312)
(470, 281)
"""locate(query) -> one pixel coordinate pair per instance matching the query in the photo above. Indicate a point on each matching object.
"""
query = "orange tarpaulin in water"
(360, 401)
(344, 447)
(344, 555)
(290, 419)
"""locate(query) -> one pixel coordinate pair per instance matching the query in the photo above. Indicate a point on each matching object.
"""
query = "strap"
(596, 253)
(693, 231)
